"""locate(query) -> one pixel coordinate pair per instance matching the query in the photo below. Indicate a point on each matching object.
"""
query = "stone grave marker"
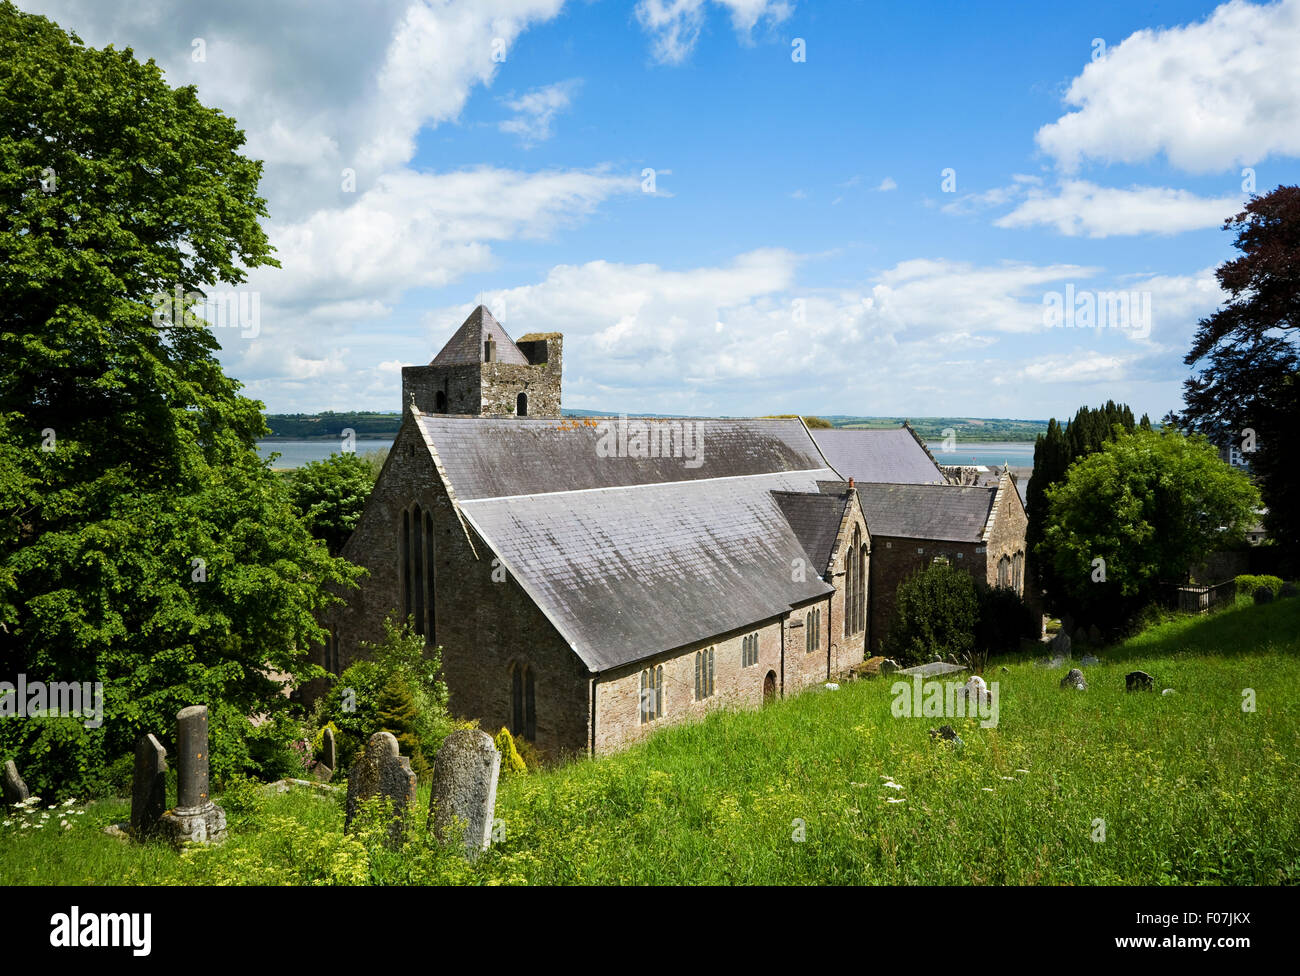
(1074, 680)
(465, 775)
(1139, 681)
(148, 786)
(384, 772)
(329, 761)
(15, 790)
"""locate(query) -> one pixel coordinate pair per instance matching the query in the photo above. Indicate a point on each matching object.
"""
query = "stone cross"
(384, 772)
(15, 790)
(195, 818)
(148, 786)
(465, 773)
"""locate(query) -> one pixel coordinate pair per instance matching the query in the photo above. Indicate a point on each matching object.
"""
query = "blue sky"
(800, 250)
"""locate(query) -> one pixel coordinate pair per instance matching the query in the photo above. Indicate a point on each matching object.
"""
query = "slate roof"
(949, 513)
(890, 456)
(815, 519)
(466, 344)
(491, 457)
(629, 557)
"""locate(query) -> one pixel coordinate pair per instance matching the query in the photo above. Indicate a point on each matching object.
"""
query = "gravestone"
(1074, 680)
(195, 819)
(148, 786)
(328, 762)
(1060, 645)
(948, 734)
(1264, 595)
(1094, 634)
(382, 772)
(1139, 681)
(465, 775)
(15, 790)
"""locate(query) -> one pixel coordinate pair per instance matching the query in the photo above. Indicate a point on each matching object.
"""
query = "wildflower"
(9, 823)
(1006, 777)
(895, 799)
(68, 803)
(1022, 770)
(893, 786)
(987, 789)
(66, 825)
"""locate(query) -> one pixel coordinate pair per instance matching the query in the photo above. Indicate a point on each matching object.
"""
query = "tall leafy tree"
(1137, 513)
(331, 494)
(1245, 384)
(1054, 451)
(142, 541)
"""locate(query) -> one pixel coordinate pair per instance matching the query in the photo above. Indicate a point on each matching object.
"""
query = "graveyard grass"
(1191, 789)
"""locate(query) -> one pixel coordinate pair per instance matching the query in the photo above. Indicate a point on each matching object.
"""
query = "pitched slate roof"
(466, 344)
(815, 519)
(949, 513)
(891, 456)
(491, 458)
(626, 556)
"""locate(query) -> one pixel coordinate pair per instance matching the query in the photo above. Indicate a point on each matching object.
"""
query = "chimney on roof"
(851, 483)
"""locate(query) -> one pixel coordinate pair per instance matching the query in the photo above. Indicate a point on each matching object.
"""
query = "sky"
(739, 207)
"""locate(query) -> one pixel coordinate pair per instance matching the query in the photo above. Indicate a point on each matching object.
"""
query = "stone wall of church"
(847, 650)
(618, 693)
(1008, 535)
(483, 620)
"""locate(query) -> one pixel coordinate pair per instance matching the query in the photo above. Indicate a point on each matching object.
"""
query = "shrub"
(1004, 618)
(935, 613)
(353, 703)
(1263, 595)
(511, 762)
(1248, 585)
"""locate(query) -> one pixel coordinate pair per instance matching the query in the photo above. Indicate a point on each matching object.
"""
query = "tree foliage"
(1245, 357)
(331, 494)
(1054, 451)
(935, 613)
(142, 541)
(1149, 506)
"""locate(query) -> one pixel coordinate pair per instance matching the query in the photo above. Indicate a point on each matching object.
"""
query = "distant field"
(1093, 787)
(329, 425)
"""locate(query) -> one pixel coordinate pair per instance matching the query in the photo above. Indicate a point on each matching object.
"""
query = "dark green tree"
(935, 612)
(142, 541)
(1054, 452)
(1245, 385)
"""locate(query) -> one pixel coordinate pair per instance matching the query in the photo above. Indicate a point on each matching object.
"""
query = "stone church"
(589, 585)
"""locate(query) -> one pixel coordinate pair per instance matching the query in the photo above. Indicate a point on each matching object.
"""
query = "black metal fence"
(1191, 598)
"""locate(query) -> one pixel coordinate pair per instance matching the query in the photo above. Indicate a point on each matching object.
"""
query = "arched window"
(652, 694)
(1018, 572)
(862, 587)
(415, 550)
(332, 652)
(1004, 571)
(703, 674)
(523, 702)
(855, 584)
(521, 405)
(812, 626)
(749, 651)
(440, 402)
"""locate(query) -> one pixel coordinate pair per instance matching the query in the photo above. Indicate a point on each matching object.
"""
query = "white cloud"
(1220, 93)
(887, 184)
(1079, 208)
(676, 24)
(536, 110)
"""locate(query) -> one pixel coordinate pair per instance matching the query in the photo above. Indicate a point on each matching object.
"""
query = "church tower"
(482, 372)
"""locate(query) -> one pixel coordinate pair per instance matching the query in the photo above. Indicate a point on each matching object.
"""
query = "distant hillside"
(328, 425)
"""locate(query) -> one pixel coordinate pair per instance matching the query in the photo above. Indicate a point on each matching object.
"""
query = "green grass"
(1192, 790)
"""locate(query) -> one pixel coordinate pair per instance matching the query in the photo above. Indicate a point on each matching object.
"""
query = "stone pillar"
(195, 818)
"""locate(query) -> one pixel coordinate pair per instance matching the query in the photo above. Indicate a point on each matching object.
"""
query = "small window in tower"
(440, 402)
(521, 405)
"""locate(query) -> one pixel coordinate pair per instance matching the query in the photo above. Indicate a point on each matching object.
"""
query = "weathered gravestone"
(15, 790)
(1094, 634)
(1139, 681)
(148, 786)
(1060, 645)
(1264, 595)
(465, 775)
(195, 818)
(1074, 680)
(328, 762)
(382, 772)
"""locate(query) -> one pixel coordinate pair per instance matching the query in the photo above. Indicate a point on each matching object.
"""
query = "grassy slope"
(1191, 788)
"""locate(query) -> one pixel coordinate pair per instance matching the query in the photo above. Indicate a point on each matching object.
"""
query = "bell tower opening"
(521, 405)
